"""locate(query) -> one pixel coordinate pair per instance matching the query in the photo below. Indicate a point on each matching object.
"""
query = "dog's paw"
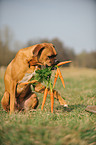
(63, 103)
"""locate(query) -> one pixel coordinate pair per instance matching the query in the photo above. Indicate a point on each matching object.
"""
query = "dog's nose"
(56, 61)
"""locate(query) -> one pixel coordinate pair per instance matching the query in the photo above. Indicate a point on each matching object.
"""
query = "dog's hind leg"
(5, 101)
(30, 102)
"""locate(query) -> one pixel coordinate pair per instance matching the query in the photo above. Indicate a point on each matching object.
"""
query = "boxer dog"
(21, 69)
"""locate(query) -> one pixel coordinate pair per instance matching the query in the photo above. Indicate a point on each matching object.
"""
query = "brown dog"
(21, 69)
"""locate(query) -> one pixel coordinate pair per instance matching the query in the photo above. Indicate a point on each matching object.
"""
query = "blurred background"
(69, 24)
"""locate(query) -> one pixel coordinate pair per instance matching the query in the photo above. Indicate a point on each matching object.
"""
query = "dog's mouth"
(53, 66)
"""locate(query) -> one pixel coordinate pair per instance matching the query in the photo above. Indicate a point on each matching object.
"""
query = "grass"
(66, 126)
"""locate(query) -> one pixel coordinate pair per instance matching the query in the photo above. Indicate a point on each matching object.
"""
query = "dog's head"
(44, 54)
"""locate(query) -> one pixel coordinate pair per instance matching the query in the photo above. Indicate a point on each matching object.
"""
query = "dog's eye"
(52, 56)
(49, 56)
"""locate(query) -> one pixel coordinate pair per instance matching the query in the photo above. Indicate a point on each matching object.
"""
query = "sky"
(71, 21)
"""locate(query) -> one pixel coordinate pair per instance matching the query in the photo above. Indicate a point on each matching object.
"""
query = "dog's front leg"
(12, 96)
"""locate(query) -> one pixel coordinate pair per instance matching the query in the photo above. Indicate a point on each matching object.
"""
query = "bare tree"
(6, 55)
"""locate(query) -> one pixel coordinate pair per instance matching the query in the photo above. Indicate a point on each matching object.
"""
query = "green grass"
(66, 126)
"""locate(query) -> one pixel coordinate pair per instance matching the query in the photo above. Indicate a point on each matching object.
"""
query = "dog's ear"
(38, 49)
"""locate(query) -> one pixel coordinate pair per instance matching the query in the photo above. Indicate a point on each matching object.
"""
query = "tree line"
(83, 59)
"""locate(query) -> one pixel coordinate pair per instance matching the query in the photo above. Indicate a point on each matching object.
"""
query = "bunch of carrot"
(58, 72)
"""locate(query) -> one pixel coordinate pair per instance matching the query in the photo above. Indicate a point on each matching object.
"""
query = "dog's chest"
(28, 76)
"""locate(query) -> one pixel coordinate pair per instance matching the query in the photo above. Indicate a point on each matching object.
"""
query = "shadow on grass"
(71, 107)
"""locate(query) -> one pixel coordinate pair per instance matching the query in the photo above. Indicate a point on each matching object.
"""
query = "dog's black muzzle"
(53, 66)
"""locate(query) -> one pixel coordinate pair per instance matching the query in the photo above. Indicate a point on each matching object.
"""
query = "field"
(66, 126)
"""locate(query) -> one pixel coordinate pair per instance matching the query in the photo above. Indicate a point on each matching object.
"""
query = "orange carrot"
(55, 79)
(44, 97)
(61, 63)
(52, 101)
(25, 83)
(60, 75)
